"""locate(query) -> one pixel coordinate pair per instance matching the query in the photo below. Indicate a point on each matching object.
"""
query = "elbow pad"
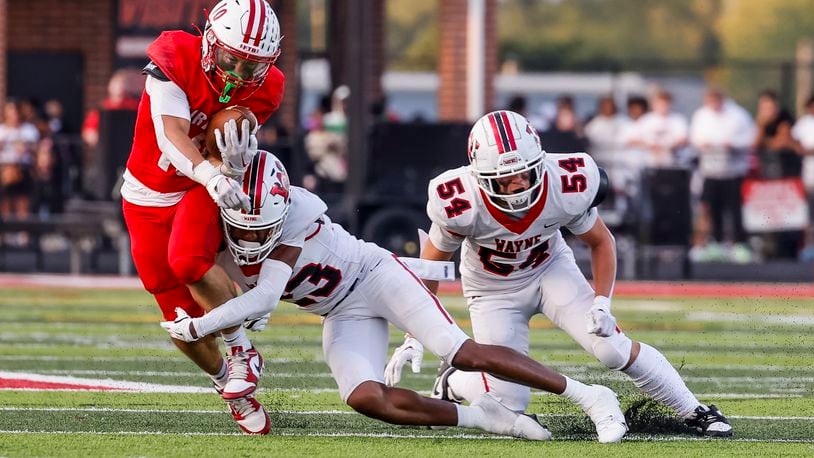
(604, 188)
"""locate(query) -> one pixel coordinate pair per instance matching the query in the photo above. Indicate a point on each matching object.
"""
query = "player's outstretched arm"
(258, 301)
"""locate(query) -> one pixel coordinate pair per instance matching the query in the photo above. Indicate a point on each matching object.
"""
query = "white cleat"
(607, 415)
(505, 421)
(245, 370)
(250, 415)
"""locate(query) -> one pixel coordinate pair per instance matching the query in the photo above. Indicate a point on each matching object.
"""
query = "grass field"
(753, 358)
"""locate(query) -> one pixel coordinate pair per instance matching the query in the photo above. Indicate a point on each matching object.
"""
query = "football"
(236, 112)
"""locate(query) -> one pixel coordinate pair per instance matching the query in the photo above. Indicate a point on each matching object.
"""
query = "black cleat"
(440, 389)
(709, 421)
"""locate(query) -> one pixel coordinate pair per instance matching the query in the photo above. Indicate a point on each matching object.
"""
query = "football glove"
(225, 191)
(182, 328)
(257, 324)
(236, 151)
(411, 351)
(599, 318)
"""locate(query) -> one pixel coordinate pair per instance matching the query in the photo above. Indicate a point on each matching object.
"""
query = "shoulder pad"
(153, 70)
(604, 188)
(575, 179)
(305, 208)
(452, 201)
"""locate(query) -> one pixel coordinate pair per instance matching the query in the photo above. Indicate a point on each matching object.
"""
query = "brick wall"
(288, 62)
(64, 25)
(452, 65)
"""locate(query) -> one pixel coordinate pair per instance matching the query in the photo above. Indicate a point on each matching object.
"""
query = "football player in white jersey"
(286, 248)
(505, 211)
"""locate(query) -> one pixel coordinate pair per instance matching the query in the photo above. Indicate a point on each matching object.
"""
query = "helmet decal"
(281, 188)
(502, 131)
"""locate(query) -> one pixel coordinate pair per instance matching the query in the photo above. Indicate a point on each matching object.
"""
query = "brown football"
(236, 112)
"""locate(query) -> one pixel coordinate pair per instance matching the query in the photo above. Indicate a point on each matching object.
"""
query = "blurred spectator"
(337, 120)
(518, 104)
(803, 131)
(565, 135)
(326, 145)
(604, 132)
(17, 142)
(779, 156)
(54, 117)
(605, 136)
(660, 133)
(120, 96)
(721, 132)
(636, 107)
(779, 153)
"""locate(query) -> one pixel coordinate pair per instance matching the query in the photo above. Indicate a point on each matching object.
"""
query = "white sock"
(222, 375)
(470, 417)
(654, 375)
(236, 339)
(578, 392)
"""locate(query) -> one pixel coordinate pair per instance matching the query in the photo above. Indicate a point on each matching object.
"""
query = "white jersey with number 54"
(502, 251)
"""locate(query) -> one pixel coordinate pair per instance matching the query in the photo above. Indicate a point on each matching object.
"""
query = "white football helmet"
(241, 41)
(266, 184)
(503, 144)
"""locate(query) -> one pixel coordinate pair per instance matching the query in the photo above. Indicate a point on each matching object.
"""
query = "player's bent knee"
(469, 357)
(189, 269)
(613, 351)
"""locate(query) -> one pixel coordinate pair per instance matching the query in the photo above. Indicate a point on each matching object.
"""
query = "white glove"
(226, 192)
(257, 324)
(599, 318)
(182, 328)
(236, 151)
(410, 351)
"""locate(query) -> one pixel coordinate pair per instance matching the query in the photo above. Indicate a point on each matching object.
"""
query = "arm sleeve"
(583, 223)
(167, 98)
(258, 301)
(443, 239)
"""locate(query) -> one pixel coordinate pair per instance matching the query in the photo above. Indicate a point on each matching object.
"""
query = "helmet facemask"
(230, 70)
(515, 202)
(252, 252)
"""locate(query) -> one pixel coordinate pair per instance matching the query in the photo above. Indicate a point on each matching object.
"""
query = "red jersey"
(178, 55)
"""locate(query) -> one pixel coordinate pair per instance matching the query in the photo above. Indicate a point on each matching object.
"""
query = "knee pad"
(613, 351)
(189, 269)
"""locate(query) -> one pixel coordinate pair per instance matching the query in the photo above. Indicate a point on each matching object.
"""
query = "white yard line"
(633, 438)
(316, 412)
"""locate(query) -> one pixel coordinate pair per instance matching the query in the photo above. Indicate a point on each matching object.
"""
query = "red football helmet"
(241, 41)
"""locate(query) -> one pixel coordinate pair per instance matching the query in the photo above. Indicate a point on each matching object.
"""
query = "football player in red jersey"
(171, 194)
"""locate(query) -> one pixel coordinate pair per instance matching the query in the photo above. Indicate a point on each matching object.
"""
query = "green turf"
(751, 357)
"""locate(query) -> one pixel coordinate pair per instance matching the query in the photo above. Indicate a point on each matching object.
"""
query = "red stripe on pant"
(485, 383)
(434, 298)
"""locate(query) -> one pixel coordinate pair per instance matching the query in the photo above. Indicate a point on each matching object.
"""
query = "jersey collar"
(518, 226)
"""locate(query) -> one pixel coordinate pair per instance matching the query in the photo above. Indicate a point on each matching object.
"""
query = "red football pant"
(173, 247)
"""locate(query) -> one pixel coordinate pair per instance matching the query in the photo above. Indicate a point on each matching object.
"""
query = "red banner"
(774, 205)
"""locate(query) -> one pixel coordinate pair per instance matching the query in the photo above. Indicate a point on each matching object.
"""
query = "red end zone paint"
(643, 289)
(24, 384)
